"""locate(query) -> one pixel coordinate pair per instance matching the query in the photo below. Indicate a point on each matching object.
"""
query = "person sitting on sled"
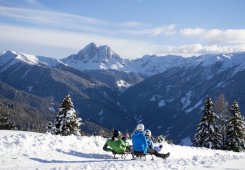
(139, 141)
(115, 144)
(154, 149)
(126, 139)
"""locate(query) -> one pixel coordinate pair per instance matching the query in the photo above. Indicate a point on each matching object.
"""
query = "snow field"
(29, 150)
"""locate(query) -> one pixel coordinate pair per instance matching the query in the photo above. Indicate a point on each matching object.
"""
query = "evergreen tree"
(66, 122)
(49, 128)
(221, 108)
(235, 139)
(208, 131)
(4, 120)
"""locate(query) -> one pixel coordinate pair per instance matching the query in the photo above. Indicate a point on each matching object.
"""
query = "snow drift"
(29, 150)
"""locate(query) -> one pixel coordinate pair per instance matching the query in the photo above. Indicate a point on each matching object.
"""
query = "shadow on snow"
(62, 161)
(85, 155)
(78, 154)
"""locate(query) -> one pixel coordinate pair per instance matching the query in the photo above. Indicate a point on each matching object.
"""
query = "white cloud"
(191, 32)
(131, 24)
(198, 49)
(74, 41)
(48, 17)
(165, 30)
(225, 36)
(83, 23)
(215, 36)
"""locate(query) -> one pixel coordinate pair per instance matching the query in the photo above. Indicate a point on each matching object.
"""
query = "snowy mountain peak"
(93, 57)
(89, 49)
(10, 58)
(92, 51)
(90, 45)
(106, 51)
(8, 52)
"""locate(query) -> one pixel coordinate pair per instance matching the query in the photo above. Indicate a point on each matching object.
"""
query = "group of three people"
(141, 140)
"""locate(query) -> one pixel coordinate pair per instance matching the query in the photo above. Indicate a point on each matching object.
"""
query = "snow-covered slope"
(223, 60)
(150, 65)
(10, 58)
(28, 150)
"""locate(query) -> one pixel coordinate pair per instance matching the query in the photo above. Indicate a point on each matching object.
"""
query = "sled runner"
(137, 155)
(123, 155)
(140, 155)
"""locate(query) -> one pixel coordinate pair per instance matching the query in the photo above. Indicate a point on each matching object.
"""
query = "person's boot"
(164, 156)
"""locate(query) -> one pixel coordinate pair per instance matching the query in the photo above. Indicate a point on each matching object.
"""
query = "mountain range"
(166, 93)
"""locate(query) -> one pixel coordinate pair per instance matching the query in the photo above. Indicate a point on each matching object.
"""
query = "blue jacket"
(149, 142)
(139, 142)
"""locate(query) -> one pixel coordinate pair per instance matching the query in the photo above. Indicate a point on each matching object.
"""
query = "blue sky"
(132, 28)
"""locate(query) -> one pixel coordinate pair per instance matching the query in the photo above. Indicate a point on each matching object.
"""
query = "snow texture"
(186, 100)
(30, 88)
(194, 107)
(52, 109)
(161, 103)
(28, 150)
(186, 141)
(101, 113)
(138, 118)
(155, 97)
(122, 84)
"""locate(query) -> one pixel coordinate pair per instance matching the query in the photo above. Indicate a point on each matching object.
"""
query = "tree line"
(221, 127)
(5, 122)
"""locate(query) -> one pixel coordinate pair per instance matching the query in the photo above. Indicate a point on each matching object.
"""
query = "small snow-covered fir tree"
(208, 131)
(66, 122)
(4, 120)
(235, 138)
